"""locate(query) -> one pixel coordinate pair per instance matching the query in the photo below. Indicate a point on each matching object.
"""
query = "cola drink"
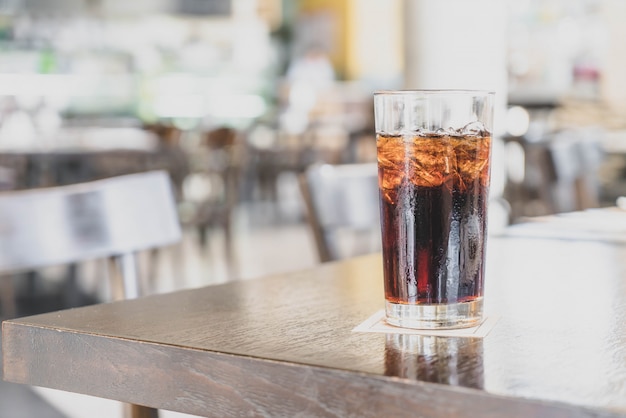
(433, 191)
(434, 151)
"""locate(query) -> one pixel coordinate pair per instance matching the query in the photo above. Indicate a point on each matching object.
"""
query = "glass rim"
(427, 92)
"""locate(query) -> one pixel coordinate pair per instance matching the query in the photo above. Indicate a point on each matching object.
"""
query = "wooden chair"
(113, 218)
(342, 208)
(219, 164)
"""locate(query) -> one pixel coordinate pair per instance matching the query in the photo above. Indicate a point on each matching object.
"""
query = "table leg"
(139, 411)
(8, 309)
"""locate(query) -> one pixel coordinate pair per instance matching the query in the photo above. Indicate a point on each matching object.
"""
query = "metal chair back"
(341, 198)
(115, 217)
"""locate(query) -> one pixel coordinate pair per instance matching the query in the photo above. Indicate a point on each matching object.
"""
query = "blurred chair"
(7, 178)
(342, 208)
(213, 187)
(167, 134)
(113, 218)
(170, 155)
(569, 169)
(560, 174)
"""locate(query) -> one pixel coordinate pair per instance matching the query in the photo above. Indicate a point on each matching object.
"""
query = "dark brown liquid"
(434, 192)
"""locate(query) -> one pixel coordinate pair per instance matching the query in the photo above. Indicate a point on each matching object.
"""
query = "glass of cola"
(434, 154)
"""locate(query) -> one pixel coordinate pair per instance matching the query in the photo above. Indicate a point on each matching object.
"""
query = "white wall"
(457, 44)
(613, 81)
(377, 47)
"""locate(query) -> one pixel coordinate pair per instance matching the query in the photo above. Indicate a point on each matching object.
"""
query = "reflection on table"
(445, 360)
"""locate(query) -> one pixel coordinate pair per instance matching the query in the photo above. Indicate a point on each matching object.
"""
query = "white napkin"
(377, 323)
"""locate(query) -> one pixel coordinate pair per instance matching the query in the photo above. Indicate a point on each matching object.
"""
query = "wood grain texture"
(284, 346)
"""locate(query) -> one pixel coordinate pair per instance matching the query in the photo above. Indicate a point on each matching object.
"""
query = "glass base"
(440, 316)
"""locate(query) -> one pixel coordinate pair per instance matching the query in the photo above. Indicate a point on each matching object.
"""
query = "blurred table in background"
(76, 155)
(602, 224)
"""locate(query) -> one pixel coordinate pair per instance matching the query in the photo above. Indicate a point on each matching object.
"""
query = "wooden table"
(284, 345)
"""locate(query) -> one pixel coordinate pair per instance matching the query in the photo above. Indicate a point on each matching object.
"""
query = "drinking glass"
(434, 151)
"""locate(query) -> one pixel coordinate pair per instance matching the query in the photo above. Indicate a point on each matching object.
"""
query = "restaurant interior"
(237, 101)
